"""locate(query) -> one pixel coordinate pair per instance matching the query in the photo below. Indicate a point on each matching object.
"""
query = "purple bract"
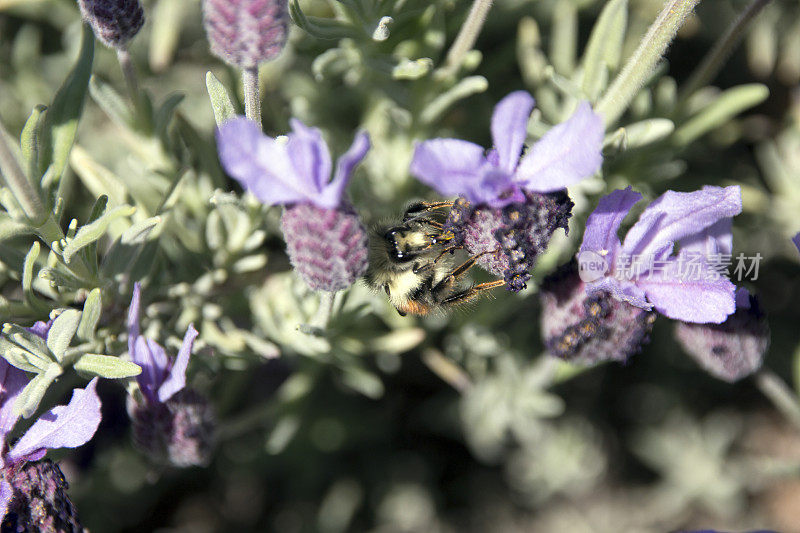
(569, 152)
(287, 171)
(644, 271)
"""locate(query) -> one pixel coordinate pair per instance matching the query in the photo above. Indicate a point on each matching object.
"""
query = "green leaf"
(17, 356)
(126, 250)
(10, 228)
(648, 131)
(106, 366)
(30, 397)
(90, 251)
(92, 309)
(92, 232)
(34, 350)
(30, 142)
(464, 88)
(166, 111)
(97, 178)
(363, 381)
(61, 332)
(62, 118)
(29, 296)
(111, 102)
(604, 48)
(729, 104)
(220, 99)
(407, 69)
(322, 28)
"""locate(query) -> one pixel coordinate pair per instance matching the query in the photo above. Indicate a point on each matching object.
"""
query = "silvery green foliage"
(137, 193)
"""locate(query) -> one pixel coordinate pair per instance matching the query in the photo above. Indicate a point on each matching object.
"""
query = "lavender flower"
(509, 206)
(171, 423)
(245, 33)
(734, 349)
(326, 241)
(32, 493)
(643, 270)
(114, 22)
(796, 241)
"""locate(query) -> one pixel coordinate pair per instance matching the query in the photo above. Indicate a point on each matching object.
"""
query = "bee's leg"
(465, 266)
(450, 250)
(443, 290)
(468, 294)
(418, 208)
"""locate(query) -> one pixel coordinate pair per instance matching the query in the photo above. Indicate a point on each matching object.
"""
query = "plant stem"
(22, 189)
(129, 73)
(467, 36)
(715, 58)
(252, 100)
(323, 315)
(641, 64)
(779, 393)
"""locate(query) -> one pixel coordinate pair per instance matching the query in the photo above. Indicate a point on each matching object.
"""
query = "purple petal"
(742, 298)
(675, 215)
(713, 240)
(603, 224)
(41, 328)
(454, 167)
(309, 154)
(332, 193)
(65, 426)
(510, 128)
(568, 153)
(176, 378)
(695, 298)
(622, 290)
(6, 493)
(261, 164)
(133, 318)
(796, 241)
(12, 381)
(149, 355)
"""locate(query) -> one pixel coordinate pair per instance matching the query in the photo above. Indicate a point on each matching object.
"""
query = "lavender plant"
(204, 268)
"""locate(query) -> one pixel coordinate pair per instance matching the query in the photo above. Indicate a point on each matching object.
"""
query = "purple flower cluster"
(171, 424)
(114, 22)
(326, 241)
(511, 202)
(32, 494)
(245, 33)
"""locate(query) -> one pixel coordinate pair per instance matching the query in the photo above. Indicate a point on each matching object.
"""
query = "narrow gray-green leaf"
(220, 99)
(61, 332)
(30, 397)
(165, 112)
(16, 356)
(729, 104)
(605, 46)
(111, 102)
(30, 140)
(10, 228)
(106, 366)
(94, 231)
(34, 349)
(140, 231)
(62, 117)
(648, 131)
(92, 309)
(27, 274)
(464, 88)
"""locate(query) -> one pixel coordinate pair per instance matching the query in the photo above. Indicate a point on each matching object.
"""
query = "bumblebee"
(412, 263)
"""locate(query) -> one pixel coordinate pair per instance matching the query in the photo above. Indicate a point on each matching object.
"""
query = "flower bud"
(114, 22)
(327, 247)
(39, 501)
(586, 328)
(178, 432)
(732, 350)
(245, 33)
(514, 235)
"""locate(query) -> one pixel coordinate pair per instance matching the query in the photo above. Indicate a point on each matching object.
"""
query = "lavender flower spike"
(568, 153)
(114, 22)
(173, 424)
(643, 270)
(326, 242)
(32, 494)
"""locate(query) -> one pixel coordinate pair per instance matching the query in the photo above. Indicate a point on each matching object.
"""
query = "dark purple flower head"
(161, 376)
(245, 33)
(64, 426)
(114, 22)
(568, 153)
(589, 328)
(734, 349)
(644, 271)
(280, 171)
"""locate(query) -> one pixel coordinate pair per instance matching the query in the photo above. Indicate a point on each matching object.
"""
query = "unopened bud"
(114, 22)
(245, 33)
